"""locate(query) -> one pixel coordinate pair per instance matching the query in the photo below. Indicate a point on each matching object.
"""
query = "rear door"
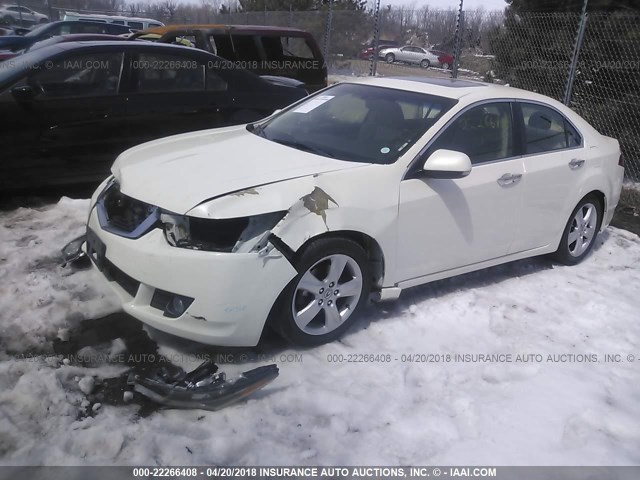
(404, 54)
(555, 161)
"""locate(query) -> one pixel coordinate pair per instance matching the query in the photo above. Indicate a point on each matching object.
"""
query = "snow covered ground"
(558, 410)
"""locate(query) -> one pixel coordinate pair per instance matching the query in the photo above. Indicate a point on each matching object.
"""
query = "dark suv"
(263, 50)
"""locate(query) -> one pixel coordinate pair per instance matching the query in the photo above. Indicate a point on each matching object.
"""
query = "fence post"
(50, 10)
(457, 41)
(327, 36)
(576, 53)
(373, 63)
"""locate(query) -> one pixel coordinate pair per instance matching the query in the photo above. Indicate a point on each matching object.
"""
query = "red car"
(445, 59)
(367, 51)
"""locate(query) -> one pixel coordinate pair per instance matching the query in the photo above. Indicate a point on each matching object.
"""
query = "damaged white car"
(359, 191)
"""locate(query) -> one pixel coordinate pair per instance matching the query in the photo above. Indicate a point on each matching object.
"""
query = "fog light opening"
(177, 305)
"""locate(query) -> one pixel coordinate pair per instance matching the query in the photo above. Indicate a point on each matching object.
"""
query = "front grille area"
(124, 213)
(114, 274)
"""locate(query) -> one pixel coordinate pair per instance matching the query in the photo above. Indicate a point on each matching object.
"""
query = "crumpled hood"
(177, 173)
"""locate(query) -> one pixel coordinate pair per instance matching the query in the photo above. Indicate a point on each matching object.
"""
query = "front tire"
(390, 58)
(425, 63)
(580, 232)
(323, 300)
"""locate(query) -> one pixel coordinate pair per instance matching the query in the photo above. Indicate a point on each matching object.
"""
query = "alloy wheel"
(327, 294)
(583, 229)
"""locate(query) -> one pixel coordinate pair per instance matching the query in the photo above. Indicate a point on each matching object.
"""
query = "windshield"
(358, 123)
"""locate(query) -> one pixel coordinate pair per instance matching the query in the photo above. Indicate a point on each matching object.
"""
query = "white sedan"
(360, 191)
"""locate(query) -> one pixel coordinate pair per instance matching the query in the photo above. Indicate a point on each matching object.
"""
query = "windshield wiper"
(304, 147)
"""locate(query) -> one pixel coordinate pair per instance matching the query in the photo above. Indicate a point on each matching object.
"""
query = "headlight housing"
(243, 234)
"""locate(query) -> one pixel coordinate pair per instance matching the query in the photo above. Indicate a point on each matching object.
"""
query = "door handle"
(575, 163)
(509, 179)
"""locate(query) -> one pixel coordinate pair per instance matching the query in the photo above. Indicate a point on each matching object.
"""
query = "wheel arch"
(602, 198)
(370, 245)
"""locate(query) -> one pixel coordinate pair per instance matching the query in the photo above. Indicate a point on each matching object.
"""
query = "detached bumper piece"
(202, 388)
(72, 253)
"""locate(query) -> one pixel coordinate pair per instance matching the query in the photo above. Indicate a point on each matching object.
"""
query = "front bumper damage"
(230, 294)
(201, 388)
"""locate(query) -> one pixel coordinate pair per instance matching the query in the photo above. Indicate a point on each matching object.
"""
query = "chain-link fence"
(589, 61)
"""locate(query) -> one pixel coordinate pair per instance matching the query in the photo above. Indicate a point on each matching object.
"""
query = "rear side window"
(168, 73)
(246, 48)
(288, 48)
(546, 130)
(136, 25)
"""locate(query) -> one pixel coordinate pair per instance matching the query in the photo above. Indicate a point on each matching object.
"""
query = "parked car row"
(279, 51)
(70, 102)
(68, 109)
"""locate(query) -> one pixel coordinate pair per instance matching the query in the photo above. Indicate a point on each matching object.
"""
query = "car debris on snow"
(201, 388)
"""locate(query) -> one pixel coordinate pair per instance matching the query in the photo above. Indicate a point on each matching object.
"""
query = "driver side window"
(484, 133)
(84, 75)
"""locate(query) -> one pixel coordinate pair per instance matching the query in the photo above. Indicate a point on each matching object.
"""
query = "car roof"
(120, 44)
(238, 28)
(470, 90)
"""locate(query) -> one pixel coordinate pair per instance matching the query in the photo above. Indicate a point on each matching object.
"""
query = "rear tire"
(580, 232)
(323, 300)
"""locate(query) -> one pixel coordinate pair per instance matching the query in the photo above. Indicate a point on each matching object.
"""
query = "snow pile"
(329, 406)
(38, 296)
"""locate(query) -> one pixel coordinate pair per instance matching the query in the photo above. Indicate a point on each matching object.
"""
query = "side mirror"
(24, 93)
(447, 164)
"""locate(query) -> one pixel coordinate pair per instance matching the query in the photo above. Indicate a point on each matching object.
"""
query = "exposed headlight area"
(243, 234)
(127, 217)
(123, 215)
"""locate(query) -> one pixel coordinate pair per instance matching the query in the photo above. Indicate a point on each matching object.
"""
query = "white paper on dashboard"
(311, 104)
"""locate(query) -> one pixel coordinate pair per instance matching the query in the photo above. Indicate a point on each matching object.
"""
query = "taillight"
(621, 161)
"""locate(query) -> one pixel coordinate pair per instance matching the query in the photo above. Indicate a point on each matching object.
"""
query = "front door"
(450, 223)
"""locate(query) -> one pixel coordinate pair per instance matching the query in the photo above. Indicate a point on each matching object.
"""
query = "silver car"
(15, 14)
(409, 54)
